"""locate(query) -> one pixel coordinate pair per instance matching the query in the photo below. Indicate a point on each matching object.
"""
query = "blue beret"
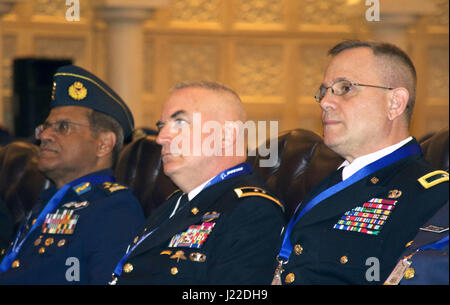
(74, 86)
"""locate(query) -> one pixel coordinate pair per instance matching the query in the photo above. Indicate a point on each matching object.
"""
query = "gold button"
(127, 268)
(15, 264)
(374, 180)
(298, 249)
(3, 252)
(289, 278)
(409, 244)
(174, 270)
(41, 250)
(409, 273)
(194, 211)
(136, 239)
(344, 259)
(49, 241)
(37, 241)
(61, 243)
(33, 222)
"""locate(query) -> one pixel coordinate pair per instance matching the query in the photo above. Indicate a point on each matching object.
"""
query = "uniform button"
(15, 264)
(174, 270)
(298, 249)
(194, 211)
(290, 278)
(343, 260)
(61, 243)
(37, 241)
(3, 252)
(127, 268)
(136, 239)
(409, 273)
(49, 241)
(409, 244)
(41, 250)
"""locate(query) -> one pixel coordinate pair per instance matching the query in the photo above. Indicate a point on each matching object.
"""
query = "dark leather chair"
(20, 180)
(303, 161)
(435, 149)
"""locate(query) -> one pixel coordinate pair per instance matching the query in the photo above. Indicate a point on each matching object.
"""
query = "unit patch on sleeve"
(367, 219)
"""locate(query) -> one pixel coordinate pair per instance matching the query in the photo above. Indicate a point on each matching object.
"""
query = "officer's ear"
(105, 143)
(397, 103)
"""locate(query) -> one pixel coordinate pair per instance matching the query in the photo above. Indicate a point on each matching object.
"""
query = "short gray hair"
(100, 122)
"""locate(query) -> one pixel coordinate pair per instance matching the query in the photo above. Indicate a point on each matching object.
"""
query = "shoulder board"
(256, 191)
(433, 178)
(82, 188)
(173, 193)
(112, 187)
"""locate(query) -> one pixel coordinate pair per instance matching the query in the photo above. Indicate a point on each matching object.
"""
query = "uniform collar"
(197, 190)
(360, 162)
(51, 190)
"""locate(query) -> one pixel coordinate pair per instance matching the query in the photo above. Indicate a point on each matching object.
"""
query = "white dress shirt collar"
(360, 162)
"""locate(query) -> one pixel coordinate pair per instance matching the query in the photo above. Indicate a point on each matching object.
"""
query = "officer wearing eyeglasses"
(353, 227)
(84, 219)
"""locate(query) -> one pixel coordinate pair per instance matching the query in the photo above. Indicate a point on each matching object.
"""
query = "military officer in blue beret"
(221, 227)
(84, 219)
(354, 225)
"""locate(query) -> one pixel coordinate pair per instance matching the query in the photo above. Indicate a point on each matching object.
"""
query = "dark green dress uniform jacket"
(239, 249)
(108, 216)
(324, 254)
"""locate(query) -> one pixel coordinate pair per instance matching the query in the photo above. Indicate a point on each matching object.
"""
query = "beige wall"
(272, 52)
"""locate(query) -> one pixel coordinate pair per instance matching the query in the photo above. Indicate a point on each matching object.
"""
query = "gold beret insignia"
(77, 91)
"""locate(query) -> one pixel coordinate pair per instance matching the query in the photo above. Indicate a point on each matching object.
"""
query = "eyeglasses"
(61, 127)
(341, 88)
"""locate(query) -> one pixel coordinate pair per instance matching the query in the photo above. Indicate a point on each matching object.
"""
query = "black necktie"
(337, 177)
(184, 200)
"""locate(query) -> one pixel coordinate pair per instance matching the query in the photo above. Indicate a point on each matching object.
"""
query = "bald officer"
(84, 220)
(221, 227)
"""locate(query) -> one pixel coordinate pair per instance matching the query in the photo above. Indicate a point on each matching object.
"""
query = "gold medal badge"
(77, 91)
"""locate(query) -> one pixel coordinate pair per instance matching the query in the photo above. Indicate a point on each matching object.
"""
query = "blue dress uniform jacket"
(429, 267)
(239, 249)
(107, 216)
(327, 251)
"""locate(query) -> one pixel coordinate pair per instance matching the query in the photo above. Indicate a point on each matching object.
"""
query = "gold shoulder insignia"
(173, 193)
(433, 178)
(113, 187)
(256, 191)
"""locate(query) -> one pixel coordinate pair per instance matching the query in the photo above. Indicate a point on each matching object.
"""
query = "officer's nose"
(164, 136)
(46, 135)
(329, 101)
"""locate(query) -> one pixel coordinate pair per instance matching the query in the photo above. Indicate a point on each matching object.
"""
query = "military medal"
(194, 237)
(397, 274)
(60, 222)
(276, 281)
(368, 218)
